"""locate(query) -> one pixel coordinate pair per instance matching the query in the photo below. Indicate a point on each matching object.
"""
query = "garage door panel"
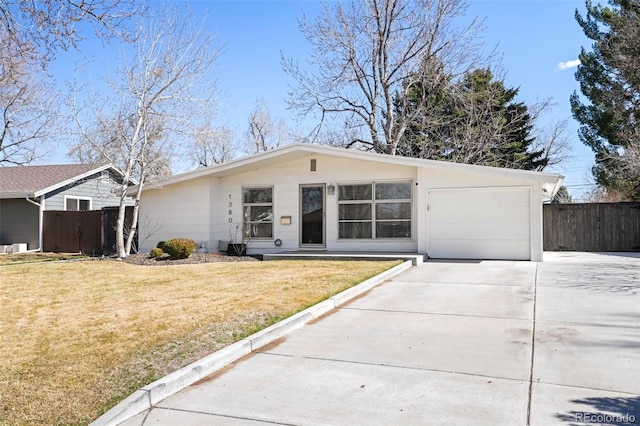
(500, 198)
(497, 231)
(515, 199)
(492, 223)
(478, 215)
(478, 249)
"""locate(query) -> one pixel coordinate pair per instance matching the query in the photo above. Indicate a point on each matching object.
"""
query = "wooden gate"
(109, 220)
(592, 227)
(91, 232)
(72, 231)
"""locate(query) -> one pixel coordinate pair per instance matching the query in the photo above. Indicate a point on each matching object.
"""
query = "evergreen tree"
(428, 109)
(562, 196)
(609, 78)
(475, 120)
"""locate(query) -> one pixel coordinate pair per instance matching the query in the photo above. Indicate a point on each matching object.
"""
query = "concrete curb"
(150, 395)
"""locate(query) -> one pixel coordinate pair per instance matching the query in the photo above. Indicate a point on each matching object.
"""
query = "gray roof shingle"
(32, 179)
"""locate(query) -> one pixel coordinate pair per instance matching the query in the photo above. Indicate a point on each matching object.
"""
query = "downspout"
(29, 200)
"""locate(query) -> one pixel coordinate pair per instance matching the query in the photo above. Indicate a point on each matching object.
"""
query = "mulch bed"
(144, 259)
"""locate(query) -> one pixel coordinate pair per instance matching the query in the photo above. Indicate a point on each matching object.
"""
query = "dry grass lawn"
(78, 337)
(16, 258)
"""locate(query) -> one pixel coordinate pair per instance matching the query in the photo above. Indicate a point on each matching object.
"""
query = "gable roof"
(34, 181)
(549, 181)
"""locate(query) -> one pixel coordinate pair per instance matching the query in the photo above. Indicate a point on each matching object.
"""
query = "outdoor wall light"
(331, 189)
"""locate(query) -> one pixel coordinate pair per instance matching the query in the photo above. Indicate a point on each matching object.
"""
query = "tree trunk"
(120, 246)
(134, 217)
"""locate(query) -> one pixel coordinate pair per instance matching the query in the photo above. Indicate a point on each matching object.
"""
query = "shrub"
(160, 245)
(156, 253)
(179, 248)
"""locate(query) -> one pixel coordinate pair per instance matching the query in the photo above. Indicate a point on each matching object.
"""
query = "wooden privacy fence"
(91, 232)
(72, 231)
(592, 227)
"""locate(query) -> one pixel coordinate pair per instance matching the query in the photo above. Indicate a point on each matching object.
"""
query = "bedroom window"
(257, 209)
(77, 203)
(377, 210)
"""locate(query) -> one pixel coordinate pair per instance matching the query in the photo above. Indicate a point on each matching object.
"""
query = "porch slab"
(415, 258)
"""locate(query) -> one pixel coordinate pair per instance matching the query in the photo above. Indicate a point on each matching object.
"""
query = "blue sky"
(532, 36)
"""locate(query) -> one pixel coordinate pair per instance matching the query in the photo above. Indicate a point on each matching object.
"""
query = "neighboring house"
(27, 191)
(311, 197)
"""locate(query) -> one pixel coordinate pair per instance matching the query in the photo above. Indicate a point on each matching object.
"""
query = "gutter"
(40, 215)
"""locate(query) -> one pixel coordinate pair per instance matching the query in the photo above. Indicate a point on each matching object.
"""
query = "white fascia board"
(121, 174)
(9, 195)
(251, 162)
(73, 179)
(288, 152)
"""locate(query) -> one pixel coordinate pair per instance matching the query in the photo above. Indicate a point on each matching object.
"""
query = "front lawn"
(15, 258)
(78, 337)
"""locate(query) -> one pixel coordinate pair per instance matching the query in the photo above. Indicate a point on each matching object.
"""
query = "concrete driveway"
(482, 343)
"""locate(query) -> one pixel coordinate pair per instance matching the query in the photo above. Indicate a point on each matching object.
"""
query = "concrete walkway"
(482, 343)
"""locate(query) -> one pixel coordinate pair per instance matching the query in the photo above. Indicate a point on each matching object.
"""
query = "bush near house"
(179, 248)
(156, 253)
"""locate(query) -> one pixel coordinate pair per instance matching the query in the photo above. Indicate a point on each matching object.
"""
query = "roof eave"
(264, 157)
(550, 189)
(16, 194)
(74, 179)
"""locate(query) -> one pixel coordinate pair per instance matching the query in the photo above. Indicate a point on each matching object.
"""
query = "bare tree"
(27, 108)
(553, 141)
(366, 52)
(631, 162)
(30, 34)
(625, 162)
(263, 133)
(159, 94)
(213, 145)
(603, 194)
(38, 28)
(260, 127)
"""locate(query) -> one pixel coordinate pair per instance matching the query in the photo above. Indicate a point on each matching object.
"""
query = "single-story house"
(313, 197)
(27, 191)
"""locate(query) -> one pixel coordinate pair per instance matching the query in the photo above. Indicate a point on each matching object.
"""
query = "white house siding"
(177, 211)
(210, 208)
(286, 179)
(102, 192)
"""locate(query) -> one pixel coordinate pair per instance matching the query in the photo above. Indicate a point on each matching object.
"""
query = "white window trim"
(272, 203)
(373, 203)
(78, 198)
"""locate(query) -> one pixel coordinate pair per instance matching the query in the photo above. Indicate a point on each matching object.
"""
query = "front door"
(312, 215)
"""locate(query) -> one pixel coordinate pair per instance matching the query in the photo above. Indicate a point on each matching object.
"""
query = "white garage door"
(491, 223)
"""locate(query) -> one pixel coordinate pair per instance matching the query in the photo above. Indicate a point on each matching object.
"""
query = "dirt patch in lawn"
(78, 337)
(134, 259)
